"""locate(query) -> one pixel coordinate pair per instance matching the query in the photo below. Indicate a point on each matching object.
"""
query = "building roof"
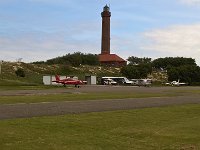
(110, 58)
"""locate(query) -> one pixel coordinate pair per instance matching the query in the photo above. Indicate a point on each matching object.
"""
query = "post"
(1, 61)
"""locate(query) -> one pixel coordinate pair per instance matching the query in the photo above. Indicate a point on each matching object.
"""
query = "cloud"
(34, 43)
(180, 40)
(191, 2)
(34, 47)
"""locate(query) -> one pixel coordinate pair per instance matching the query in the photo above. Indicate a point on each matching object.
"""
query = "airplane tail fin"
(57, 77)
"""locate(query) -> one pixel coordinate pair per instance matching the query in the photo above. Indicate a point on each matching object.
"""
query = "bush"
(136, 71)
(20, 72)
(75, 59)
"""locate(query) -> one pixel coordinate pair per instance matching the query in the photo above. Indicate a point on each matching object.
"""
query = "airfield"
(100, 117)
(140, 97)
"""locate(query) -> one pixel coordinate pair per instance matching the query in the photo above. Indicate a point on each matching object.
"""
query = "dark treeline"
(75, 59)
(136, 71)
(137, 67)
(177, 68)
(186, 73)
(167, 62)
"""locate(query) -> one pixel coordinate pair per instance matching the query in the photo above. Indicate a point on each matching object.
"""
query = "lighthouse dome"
(106, 8)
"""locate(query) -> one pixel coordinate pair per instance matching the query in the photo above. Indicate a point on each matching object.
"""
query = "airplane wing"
(182, 83)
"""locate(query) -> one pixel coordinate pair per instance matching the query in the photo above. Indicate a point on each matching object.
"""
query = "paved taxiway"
(60, 108)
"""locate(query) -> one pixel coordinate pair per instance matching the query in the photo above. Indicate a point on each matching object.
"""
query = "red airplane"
(70, 81)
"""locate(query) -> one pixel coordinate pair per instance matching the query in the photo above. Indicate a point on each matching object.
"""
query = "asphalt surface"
(11, 111)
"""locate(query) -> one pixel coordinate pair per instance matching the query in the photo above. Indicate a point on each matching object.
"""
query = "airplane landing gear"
(77, 86)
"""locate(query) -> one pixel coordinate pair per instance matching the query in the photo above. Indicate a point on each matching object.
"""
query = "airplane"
(109, 82)
(69, 81)
(142, 82)
(176, 83)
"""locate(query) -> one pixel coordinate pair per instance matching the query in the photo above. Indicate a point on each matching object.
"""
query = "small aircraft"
(176, 83)
(142, 82)
(69, 81)
(109, 82)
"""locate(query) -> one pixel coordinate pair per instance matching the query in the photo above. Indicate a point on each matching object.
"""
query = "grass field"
(71, 94)
(78, 97)
(30, 87)
(168, 128)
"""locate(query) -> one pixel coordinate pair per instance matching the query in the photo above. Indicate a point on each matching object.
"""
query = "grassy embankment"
(168, 128)
(35, 72)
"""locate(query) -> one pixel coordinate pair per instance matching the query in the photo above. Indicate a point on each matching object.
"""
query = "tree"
(168, 62)
(136, 71)
(173, 74)
(136, 60)
(90, 59)
(75, 59)
(186, 73)
(130, 72)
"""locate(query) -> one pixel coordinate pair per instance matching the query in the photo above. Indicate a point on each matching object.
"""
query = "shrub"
(20, 72)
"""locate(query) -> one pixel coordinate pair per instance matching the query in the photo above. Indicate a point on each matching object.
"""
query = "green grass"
(73, 96)
(167, 128)
(77, 97)
(31, 87)
(16, 83)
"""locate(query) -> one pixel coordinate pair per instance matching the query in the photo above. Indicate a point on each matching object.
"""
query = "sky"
(37, 30)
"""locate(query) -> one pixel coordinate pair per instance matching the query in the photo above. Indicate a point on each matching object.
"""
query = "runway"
(11, 111)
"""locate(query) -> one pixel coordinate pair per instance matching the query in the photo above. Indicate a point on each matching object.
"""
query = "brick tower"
(105, 39)
(105, 58)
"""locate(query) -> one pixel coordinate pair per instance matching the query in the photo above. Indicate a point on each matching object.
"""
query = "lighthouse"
(105, 39)
(105, 58)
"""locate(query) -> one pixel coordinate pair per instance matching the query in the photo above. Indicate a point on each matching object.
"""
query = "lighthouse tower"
(105, 57)
(105, 39)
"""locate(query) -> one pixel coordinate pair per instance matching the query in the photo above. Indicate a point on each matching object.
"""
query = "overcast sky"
(42, 29)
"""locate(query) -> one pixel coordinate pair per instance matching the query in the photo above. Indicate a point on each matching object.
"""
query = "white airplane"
(176, 83)
(109, 82)
(142, 82)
